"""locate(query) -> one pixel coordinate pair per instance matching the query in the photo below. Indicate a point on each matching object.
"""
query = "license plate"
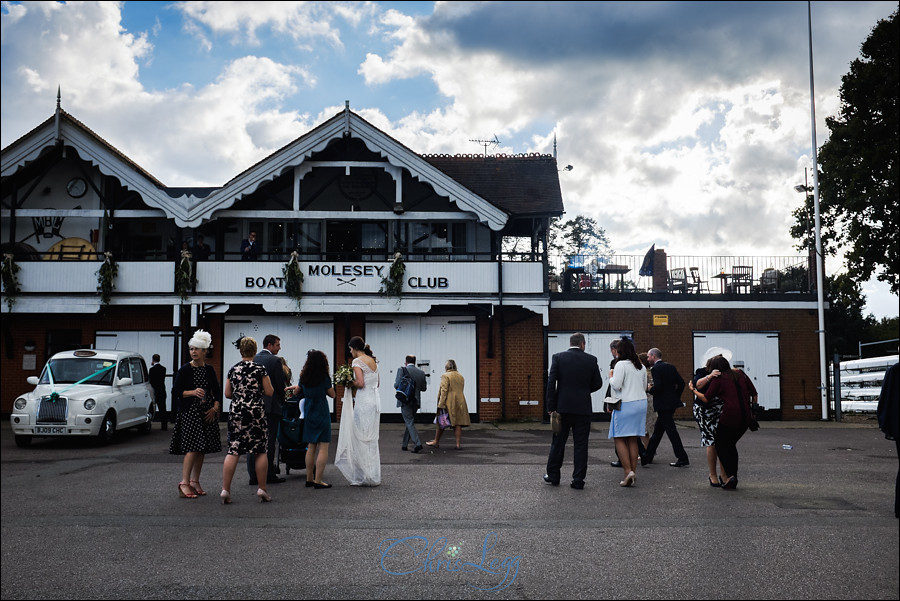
(50, 430)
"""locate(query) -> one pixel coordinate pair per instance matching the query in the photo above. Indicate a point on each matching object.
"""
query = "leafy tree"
(580, 236)
(859, 162)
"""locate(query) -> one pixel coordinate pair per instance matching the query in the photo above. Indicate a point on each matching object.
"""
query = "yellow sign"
(660, 320)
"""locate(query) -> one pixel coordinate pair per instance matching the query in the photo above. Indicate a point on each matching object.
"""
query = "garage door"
(597, 344)
(432, 340)
(147, 344)
(297, 336)
(754, 352)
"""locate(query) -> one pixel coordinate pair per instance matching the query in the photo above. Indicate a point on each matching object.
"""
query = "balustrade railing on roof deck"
(621, 273)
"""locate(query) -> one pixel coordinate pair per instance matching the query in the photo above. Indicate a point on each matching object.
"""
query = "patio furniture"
(695, 282)
(768, 281)
(677, 280)
(617, 270)
(741, 278)
(723, 281)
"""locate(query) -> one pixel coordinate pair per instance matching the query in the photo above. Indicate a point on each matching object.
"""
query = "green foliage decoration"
(185, 276)
(293, 279)
(392, 285)
(106, 277)
(11, 288)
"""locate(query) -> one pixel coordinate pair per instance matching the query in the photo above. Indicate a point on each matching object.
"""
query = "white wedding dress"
(357, 455)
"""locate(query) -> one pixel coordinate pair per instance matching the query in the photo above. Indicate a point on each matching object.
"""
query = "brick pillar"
(660, 273)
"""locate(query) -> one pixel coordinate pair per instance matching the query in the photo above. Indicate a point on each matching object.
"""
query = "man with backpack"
(410, 384)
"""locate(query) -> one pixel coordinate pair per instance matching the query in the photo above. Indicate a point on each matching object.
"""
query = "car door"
(123, 396)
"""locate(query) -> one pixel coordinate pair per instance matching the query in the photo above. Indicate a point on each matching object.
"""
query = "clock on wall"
(76, 187)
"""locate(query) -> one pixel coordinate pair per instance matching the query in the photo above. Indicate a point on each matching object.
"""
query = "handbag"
(442, 419)
(610, 407)
(555, 423)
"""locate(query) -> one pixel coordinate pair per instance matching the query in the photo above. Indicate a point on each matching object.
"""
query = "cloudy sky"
(687, 123)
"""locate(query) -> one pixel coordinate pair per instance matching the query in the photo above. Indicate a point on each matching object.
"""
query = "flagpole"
(820, 268)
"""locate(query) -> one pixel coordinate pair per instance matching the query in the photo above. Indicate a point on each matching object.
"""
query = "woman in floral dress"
(247, 425)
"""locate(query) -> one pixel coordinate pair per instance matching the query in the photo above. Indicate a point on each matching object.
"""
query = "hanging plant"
(293, 279)
(392, 285)
(10, 281)
(106, 277)
(185, 276)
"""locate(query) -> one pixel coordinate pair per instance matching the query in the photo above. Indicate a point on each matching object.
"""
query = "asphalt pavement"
(812, 518)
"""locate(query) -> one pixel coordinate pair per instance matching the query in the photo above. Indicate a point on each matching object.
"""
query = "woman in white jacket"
(629, 385)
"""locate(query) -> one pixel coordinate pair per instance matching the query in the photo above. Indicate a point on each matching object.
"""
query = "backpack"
(406, 388)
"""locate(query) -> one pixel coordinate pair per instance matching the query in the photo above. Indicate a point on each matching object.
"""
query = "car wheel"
(23, 440)
(107, 429)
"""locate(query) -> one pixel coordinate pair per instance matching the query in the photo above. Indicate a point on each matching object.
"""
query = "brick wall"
(798, 342)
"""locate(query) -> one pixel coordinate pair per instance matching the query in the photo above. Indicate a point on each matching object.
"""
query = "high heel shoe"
(715, 484)
(263, 496)
(197, 488)
(186, 495)
(226, 497)
(630, 479)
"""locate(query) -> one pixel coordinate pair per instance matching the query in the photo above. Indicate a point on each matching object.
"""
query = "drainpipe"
(502, 328)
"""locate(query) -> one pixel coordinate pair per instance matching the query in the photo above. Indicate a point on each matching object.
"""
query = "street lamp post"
(820, 275)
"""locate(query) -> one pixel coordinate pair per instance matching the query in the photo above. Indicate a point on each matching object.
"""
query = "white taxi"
(85, 393)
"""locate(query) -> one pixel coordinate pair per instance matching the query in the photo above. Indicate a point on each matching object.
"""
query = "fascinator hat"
(714, 352)
(200, 339)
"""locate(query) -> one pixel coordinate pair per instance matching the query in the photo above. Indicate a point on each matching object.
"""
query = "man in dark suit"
(666, 390)
(267, 357)
(574, 375)
(158, 384)
(249, 248)
(408, 410)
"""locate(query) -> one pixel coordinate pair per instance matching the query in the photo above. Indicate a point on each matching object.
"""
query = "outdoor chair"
(677, 280)
(768, 281)
(741, 278)
(695, 282)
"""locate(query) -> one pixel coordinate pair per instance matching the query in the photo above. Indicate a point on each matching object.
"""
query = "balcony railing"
(683, 274)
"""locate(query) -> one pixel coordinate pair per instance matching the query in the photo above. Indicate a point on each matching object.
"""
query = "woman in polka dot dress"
(196, 390)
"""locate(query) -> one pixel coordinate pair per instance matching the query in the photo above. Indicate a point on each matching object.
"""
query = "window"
(138, 370)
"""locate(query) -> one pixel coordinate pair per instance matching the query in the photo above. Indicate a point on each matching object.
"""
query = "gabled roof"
(492, 188)
(521, 185)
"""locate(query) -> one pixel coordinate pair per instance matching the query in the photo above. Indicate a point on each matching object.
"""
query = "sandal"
(431, 443)
(197, 488)
(184, 495)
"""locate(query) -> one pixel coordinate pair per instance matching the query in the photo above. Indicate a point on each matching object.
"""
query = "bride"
(357, 455)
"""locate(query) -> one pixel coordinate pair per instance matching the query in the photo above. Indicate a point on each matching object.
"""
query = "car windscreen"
(72, 370)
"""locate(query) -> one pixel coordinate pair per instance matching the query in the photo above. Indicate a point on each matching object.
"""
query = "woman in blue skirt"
(629, 422)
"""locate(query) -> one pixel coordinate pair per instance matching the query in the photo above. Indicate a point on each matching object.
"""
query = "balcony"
(714, 275)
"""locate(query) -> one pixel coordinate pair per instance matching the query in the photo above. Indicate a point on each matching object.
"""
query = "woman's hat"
(715, 351)
(200, 339)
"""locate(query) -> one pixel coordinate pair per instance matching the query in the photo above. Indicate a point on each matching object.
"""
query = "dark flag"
(647, 266)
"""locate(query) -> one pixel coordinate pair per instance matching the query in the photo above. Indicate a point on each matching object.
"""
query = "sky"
(687, 124)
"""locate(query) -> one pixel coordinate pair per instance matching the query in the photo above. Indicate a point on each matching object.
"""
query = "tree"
(859, 162)
(580, 236)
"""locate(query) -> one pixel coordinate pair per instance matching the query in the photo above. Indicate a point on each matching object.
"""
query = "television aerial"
(488, 143)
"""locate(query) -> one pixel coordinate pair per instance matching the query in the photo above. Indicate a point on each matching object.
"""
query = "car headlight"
(89, 404)
(20, 404)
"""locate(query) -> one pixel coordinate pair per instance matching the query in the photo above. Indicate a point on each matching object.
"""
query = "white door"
(147, 344)
(754, 352)
(298, 335)
(432, 340)
(597, 344)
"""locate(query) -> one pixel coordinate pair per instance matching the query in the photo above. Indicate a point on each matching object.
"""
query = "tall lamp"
(820, 269)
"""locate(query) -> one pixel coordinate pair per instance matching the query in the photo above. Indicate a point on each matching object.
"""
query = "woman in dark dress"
(248, 428)
(738, 396)
(199, 401)
(315, 384)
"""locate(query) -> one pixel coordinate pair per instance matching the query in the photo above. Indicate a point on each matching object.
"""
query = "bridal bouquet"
(344, 376)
